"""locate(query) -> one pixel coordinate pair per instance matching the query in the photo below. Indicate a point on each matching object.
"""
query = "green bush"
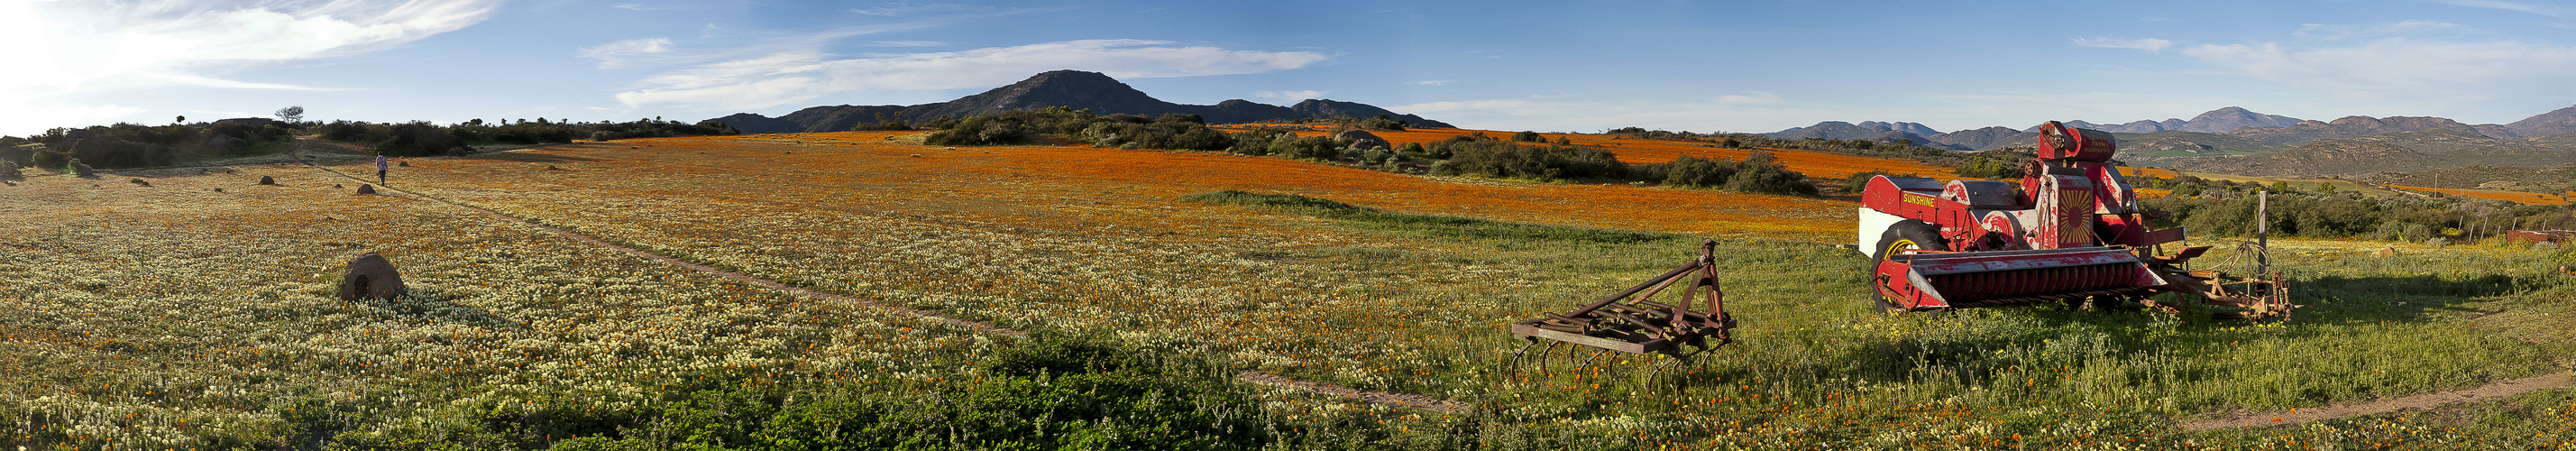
(1307, 147)
(1691, 172)
(1503, 159)
(1859, 181)
(884, 124)
(980, 131)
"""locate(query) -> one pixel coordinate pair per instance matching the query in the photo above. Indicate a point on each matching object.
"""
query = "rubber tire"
(1910, 233)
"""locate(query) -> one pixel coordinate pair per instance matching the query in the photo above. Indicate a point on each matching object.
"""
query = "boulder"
(366, 189)
(1360, 139)
(265, 180)
(370, 276)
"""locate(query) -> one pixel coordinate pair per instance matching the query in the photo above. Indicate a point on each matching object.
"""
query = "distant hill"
(2215, 121)
(1869, 130)
(2319, 159)
(2162, 148)
(2350, 126)
(2407, 151)
(1067, 88)
(2562, 120)
(2229, 119)
(2509, 178)
(2234, 140)
(1987, 138)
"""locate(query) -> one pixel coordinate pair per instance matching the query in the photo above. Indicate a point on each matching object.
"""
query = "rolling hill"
(1067, 88)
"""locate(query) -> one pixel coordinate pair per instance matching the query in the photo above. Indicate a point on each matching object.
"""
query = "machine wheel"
(1904, 238)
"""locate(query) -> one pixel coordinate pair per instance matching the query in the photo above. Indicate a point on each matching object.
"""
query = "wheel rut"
(1257, 377)
(2496, 390)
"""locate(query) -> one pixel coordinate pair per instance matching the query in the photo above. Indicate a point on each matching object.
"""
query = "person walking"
(380, 168)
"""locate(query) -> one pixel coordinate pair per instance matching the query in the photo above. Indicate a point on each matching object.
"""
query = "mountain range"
(1066, 88)
(2238, 141)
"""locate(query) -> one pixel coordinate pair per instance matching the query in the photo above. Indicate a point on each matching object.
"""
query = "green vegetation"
(126, 145)
(1821, 369)
(1998, 164)
(2227, 208)
(427, 139)
(1860, 147)
(1760, 173)
(1501, 159)
(1470, 155)
(1425, 225)
(1054, 391)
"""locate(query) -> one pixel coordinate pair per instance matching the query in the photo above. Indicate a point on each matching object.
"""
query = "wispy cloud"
(2151, 45)
(1752, 98)
(93, 47)
(2402, 68)
(909, 43)
(1428, 82)
(2340, 32)
(2551, 11)
(617, 54)
(1290, 96)
(642, 7)
(910, 8)
(779, 78)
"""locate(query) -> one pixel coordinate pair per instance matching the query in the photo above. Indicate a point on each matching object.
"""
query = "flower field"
(2509, 196)
(175, 303)
(175, 316)
(1646, 151)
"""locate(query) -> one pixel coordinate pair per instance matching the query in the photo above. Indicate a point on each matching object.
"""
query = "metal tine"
(1512, 365)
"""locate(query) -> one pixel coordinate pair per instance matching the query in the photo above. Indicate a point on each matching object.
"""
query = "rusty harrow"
(1631, 324)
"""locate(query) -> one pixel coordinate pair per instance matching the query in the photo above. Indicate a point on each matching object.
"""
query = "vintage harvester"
(2069, 231)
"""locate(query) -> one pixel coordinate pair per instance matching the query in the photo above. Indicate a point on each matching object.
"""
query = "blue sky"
(1754, 65)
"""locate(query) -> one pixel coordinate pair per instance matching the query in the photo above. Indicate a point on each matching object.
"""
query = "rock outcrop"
(370, 276)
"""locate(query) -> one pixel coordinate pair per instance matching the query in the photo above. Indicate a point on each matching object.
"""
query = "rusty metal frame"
(1628, 322)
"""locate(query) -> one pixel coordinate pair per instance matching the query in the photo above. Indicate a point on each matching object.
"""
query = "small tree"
(291, 114)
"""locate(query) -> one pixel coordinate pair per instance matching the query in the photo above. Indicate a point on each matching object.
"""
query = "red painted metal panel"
(1946, 280)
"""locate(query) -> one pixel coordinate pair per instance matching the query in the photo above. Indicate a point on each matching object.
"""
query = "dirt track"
(2423, 401)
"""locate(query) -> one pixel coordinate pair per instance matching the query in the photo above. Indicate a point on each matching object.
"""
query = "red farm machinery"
(2070, 231)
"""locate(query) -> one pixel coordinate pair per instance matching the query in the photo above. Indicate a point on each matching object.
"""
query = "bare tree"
(291, 114)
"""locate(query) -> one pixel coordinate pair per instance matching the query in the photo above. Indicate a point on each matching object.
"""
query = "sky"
(1706, 66)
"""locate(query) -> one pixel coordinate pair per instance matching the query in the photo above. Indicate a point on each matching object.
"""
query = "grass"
(1426, 225)
(520, 339)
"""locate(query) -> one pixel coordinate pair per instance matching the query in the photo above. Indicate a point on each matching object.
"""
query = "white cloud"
(1944, 111)
(2401, 68)
(790, 76)
(910, 8)
(621, 53)
(2340, 32)
(1428, 82)
(1290, 96)
(2508, 6)
(2151, 45)
(77, 48)
(1752, 98)
(910, 43)
(1584, 114)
